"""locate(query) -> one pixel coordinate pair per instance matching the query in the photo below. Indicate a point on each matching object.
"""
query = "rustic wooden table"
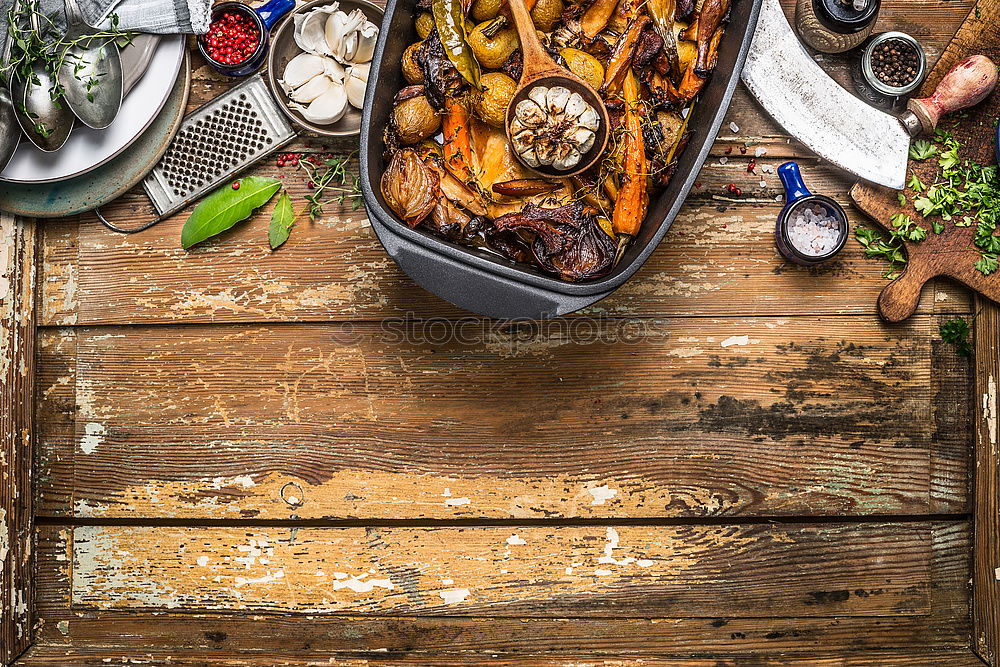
(242, 456)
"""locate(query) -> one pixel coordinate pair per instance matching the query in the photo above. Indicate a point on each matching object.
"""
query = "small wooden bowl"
(540, 70)
(284, 48)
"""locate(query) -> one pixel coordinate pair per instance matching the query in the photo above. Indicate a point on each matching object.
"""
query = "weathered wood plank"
(946, 626)
(17, 365)
(54, 656)
(628, 571)
(986, 549)
(718, 259)
(952, 380)
(638, 418)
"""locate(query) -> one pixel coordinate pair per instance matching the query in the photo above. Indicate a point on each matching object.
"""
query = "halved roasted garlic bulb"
(553, 127)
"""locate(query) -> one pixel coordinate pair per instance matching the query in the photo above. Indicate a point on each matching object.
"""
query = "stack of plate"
(96, 166)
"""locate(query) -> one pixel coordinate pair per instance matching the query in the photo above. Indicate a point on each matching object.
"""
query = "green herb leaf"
(936, 227)
(281, 221)
(916, 184)
(956, 332)
(922, 150)
(988, 264)
(225, 207)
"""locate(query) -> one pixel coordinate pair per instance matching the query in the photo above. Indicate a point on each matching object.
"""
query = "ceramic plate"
(86, 148)
(109, 181)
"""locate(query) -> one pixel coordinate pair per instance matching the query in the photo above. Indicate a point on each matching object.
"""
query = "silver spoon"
(46, 122)
(91, 75)
(10, 132)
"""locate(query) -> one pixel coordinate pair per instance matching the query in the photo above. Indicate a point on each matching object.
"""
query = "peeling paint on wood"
(372, 427)
(17, 284)
(727, 570)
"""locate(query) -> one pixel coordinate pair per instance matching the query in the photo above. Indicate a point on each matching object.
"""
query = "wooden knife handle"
(965, 85)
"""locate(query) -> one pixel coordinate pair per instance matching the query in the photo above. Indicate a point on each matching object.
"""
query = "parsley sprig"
(963, 193)
(956, 331)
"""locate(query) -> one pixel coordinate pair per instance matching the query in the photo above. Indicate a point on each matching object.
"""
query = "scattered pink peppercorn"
(236, 185)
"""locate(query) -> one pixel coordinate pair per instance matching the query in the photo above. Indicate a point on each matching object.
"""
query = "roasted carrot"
(595, 19)
(620, 62)
(632, 198)
(457, 145)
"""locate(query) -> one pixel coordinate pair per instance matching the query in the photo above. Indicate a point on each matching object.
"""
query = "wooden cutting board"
(950, 253)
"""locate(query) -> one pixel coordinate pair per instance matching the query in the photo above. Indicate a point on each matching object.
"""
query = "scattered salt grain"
(760, 152)
(723, 160)
(767, 169)
(734, 127)
(763, 183)
(779, 198)
(813, 231)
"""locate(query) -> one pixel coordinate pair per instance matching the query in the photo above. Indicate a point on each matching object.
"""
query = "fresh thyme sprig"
(31, 46)
(330, 183)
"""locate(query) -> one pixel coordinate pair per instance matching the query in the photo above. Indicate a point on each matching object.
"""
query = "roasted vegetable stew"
(451, 169)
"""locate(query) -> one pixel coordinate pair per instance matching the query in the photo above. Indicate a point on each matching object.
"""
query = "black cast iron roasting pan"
(488, 284)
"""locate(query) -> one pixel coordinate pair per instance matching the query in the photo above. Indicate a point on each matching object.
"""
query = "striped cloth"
(157, 16)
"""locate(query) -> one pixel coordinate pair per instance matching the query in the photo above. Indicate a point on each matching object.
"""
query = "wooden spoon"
(540, 70)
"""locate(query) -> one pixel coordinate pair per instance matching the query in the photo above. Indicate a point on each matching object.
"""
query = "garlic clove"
(529, 157)
(303, 67)
(309, 29)
(326, 109)
(556, 99)
(334, 70)
(312, 89)
(537, 95)
(570, 160)
(583, 138)
(343, 34)
(529, 113)
(576, 105)
(589, 119)
(356, 83)
(367, 38)
(523, 141)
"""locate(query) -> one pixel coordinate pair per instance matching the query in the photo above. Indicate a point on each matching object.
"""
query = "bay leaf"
(281, 221)
(449, 19)
(225, 207)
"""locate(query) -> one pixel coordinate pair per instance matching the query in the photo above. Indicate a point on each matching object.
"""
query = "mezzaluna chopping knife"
(835, 124)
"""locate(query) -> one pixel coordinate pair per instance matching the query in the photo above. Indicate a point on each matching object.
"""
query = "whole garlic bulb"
(553, 127)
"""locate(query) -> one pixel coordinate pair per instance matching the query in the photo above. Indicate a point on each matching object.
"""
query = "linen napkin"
(158, 16)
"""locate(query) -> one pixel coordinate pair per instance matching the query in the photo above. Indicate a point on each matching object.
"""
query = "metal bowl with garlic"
(319, 63)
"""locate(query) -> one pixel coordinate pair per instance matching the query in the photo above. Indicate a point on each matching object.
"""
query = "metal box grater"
(218, 140)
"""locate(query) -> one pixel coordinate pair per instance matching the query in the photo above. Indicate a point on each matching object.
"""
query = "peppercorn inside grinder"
(889, 70)
(811, 228)
(237, 39)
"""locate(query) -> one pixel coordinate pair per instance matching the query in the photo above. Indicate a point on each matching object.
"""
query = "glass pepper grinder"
(835, 26)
